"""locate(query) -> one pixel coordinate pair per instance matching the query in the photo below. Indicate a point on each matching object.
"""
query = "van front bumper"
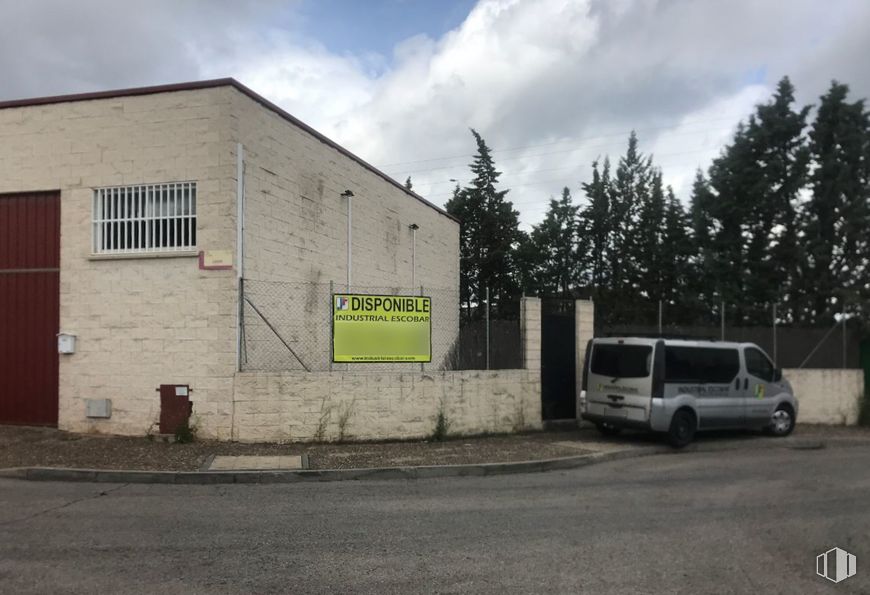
(617, 422)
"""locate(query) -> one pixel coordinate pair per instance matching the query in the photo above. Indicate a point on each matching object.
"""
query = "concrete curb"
(383, 473)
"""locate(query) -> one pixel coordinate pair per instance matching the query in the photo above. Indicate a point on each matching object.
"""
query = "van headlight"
(581, 402)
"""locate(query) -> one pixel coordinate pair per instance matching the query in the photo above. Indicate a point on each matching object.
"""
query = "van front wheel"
(782, 421)
(608, 429)
(682, 429)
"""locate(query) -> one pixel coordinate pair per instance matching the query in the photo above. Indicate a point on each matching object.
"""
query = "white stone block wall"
(530, 331)
(377, 406)
(584, 329)
(828, 397)
(140, 321)
(296, 231)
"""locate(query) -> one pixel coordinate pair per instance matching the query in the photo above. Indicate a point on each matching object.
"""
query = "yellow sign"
(381, 328)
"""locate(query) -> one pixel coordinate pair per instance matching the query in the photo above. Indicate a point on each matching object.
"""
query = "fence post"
(430, 326)
(844, 334)
(530, 329)
(487, 327)
(775, 360)
(331, 322)
(722, 311)
(584, 330)
(660, 318)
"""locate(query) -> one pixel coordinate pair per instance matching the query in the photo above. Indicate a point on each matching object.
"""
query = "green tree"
(556, 243)
(836, 219)
(490, 234)
(630, 191)
(408, 185)
(755, 184)
(649, 261)
(594, 224)
(676, 252)
(468, 214)
(700, 221)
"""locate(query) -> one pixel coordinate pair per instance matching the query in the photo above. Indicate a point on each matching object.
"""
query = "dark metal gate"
(558, 365)
(29, 307)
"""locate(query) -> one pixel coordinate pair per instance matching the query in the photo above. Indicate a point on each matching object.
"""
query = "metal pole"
(660, 318)
(430, 338)
(722, 311)
(487, 327)
(775, 360)
(240, 250)
(844, 334)
(331, 322)
(414, 256)
(349, 239)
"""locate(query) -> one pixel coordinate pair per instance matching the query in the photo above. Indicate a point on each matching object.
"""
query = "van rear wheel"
(682, 429)
(608, 429)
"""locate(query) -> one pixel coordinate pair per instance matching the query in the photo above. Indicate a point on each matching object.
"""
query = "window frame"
(144, 219)
(603, 347)
(699, 379)
(764, 357)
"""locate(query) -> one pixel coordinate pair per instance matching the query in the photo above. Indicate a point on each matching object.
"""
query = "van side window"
(622, 361)
(701, 365)
(758, 365)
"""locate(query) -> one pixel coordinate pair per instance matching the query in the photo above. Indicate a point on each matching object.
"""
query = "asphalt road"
(735, 522)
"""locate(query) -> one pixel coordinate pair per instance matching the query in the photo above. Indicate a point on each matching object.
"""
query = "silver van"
(679, 387)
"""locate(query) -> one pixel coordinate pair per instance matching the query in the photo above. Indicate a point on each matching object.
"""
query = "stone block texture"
(584, 330)
(530, 330)
(140, 322)
(302, 406)
(145, 321)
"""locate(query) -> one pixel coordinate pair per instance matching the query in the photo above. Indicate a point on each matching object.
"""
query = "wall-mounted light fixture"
(349, 196)
(414, 227)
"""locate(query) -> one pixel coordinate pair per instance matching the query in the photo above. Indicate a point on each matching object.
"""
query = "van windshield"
(622, 361)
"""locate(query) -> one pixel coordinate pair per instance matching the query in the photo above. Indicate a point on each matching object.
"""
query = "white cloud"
(551, 84)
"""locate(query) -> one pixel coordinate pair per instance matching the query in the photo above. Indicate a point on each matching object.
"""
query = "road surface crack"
(62, 506)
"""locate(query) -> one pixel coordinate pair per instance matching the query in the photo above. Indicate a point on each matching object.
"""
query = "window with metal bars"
(145, 218)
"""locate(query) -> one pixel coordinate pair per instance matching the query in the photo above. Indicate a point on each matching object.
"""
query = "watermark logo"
(836, 565)
(341, 303)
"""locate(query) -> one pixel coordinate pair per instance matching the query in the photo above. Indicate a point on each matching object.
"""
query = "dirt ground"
(45, 447)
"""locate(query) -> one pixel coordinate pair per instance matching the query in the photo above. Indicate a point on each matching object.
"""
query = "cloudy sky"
(551, 84)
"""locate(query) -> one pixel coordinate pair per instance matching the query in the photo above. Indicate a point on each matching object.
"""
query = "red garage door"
(29, 307)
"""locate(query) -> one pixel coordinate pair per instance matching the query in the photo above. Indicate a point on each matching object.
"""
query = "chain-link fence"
(287, 326)
(832, 345)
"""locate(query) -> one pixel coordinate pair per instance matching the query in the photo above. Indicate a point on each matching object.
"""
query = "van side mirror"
(777, 374)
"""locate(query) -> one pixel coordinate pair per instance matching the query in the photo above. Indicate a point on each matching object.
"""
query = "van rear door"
(620, 379)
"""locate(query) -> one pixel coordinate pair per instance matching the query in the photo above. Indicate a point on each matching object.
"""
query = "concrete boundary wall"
(377, 405)
(828, 397)
(299, 406)
(825, 396)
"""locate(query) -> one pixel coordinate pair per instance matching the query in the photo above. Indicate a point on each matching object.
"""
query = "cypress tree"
(556, 242)
(492, 234)
(836, 219)
(595, 224)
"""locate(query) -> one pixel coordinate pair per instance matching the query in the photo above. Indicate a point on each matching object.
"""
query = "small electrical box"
(66, 343)
(98, 408)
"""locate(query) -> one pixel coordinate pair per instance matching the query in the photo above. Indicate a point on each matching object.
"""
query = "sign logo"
(836, 565)
(341, 303)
